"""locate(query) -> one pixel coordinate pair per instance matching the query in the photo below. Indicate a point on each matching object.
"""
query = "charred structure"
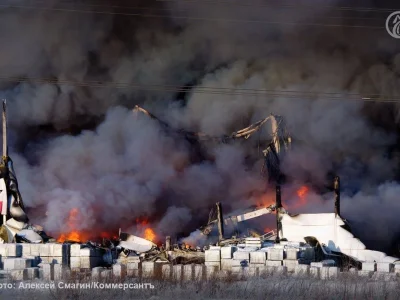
(336, 187)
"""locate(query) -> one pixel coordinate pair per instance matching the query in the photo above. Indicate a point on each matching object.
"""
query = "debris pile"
(314, 240)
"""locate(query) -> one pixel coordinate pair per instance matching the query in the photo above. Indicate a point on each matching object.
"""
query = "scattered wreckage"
(327, 234)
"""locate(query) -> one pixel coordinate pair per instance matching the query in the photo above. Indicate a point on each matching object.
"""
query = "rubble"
(305, 244)
(135, 243)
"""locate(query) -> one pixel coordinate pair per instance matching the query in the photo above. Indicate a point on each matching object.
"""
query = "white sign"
(393, 24)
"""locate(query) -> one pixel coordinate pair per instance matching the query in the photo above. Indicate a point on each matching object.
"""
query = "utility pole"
(220, 222)
(4, 117)
(278, 199)
(336, 188)
(168, 243)
(4, 206)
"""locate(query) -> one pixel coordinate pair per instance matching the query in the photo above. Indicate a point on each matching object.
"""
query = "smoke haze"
(123, 166)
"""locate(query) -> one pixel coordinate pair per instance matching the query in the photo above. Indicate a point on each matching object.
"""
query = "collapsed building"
(298, 240)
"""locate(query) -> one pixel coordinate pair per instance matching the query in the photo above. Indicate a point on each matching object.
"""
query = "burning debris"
(298, 239)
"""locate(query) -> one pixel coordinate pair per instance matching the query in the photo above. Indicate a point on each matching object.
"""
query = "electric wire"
(147, 15)
(290, 94)
(285, 6)
(183, 9)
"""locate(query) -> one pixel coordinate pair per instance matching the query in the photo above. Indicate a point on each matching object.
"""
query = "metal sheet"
(3, 196)
(30, 235)
(135, 243)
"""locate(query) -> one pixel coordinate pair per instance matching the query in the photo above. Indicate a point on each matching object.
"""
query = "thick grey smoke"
(128, 167)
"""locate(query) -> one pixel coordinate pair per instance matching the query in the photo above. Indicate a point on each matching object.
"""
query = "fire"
(149, 234)
(265, 201)
(107, 235)
(302, 192)
(73, 217)
(189, 246)
(73, 236)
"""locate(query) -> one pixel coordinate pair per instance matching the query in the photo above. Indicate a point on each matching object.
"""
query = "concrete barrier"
(211, 272)
(31, 273)
(302, 270)
(226, 264)
(177, 272)
(292, 254)
(213, 264)
(75, 250)
(324, 263)
(212, 255)
(275, 254)
(228, 259)
(227, 252)
(363, 273)
(17, 274)
(188, 272)
(17, 263)
(369, 266)
(48, 271)
(106, 274)
(328, 273)
(119, 270)
(133, 269)
(258, 257)
(166, 271)
(290, 264)
(241, 255)
(278, 270)
(25, 249)
(314, 272)
(385, 267)
(58, 271)
(199, 272)
(273, 263)
(96, 273)
(396, 268)
(148, 269)
(10, 250)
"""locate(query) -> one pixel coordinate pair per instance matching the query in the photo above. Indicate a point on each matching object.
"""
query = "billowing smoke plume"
(126, 167)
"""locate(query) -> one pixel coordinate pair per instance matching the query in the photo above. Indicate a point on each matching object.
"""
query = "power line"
(232, 3)
(283, 6)
(182, 9)
(290, 94)
(185, 17)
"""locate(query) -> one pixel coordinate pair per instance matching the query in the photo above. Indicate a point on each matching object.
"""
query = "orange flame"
(72, 234)
(73, 217)
(107, 235)
(266, 230)
(265, 201)
(302, 191)
(302, 194)
(149, 234)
